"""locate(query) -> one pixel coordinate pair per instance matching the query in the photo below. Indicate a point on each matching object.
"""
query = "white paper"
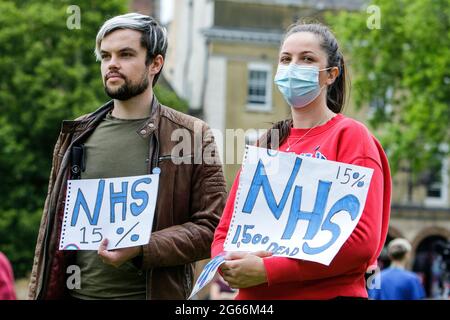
(119, 209)
(207, 274)
(324, 223)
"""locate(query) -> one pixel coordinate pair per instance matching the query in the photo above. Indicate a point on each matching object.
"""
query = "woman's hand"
(244, 269)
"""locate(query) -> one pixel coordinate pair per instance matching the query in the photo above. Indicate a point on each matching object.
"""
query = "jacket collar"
(152, 123)
(93, 119)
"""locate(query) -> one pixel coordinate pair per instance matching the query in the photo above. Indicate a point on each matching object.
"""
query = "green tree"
(48, 73)
(402, 68)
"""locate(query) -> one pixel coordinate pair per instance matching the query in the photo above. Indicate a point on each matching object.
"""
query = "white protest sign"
(207, 274)
(294, 206)
(119, 209)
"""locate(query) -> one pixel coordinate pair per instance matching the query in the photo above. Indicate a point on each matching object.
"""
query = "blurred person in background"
(7, 291)
(397, 283)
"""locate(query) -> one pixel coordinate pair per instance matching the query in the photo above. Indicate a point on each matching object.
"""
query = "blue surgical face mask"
(298, 84)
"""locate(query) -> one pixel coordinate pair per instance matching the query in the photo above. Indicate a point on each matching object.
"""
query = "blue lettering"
(135, 209)
(275, 248)
(348, 203)
(279, 249)
(81, 201)
(314, 218)
(118, 198)
(260, 180)
(272, 247)
(214, 263)
(294, 252)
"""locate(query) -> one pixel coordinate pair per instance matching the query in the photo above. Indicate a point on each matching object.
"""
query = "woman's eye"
(285, 60)
(307, 59)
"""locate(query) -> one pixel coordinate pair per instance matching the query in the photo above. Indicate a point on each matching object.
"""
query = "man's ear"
(333, 73)
(156, 64)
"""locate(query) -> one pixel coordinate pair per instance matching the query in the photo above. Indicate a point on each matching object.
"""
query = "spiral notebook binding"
(66, 211)
(238, 192)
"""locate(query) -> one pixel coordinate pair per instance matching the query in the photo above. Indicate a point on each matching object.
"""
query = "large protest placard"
(295, 206)
(119, 209)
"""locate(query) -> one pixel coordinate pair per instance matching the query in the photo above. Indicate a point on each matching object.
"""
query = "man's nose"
(114, 63)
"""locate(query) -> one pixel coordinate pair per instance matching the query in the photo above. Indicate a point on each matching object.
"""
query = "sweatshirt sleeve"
(222, 229)
(357, 252)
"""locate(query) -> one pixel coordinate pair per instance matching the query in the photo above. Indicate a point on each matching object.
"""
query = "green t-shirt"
(113, 150)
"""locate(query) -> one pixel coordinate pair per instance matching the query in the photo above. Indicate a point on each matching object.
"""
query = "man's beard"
(128, 90)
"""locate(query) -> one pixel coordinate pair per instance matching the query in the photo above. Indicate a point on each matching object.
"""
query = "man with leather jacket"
(129, 136)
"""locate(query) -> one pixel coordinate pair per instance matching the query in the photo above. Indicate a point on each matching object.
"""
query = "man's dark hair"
(154, 36)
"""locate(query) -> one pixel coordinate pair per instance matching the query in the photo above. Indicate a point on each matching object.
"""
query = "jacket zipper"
(169, 157)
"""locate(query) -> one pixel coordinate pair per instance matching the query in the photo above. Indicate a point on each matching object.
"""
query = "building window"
(437, 187)
(259, 88)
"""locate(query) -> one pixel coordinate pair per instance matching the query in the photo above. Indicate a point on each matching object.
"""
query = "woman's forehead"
(302, 41)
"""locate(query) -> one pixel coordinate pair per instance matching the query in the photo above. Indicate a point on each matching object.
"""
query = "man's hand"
(243, 269)
(117, 257)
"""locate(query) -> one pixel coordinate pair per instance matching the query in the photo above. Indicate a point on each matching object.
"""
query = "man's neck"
(138, 107)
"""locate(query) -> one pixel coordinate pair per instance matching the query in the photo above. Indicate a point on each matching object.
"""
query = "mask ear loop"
(327, 69)
(339, 68)
(324, 84)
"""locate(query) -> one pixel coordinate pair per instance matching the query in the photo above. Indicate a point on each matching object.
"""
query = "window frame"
(267, 106)
(442, 200)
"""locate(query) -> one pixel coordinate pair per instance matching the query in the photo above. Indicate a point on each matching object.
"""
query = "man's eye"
(126, 54)
(307, 59)
(285, 60)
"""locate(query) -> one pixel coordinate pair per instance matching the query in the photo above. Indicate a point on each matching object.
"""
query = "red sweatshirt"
(7, 291)
(345, 140)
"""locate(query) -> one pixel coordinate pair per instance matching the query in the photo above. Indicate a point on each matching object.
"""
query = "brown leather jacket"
(191, 198)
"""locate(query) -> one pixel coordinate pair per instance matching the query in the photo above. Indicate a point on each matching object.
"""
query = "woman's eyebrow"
(302, 52)
(307, 51)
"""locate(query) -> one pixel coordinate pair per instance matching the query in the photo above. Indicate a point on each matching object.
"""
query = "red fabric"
(57, 274)
(345, 140)
(7, 291)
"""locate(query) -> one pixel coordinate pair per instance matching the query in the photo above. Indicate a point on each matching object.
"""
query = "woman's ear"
(333, 73)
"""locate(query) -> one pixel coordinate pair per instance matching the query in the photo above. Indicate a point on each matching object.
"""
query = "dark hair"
(336, 92)
(398, 254)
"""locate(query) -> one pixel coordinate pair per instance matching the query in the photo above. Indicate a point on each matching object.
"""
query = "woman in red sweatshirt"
(311, 77)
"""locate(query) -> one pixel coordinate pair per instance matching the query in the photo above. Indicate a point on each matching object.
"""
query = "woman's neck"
(312, 115)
